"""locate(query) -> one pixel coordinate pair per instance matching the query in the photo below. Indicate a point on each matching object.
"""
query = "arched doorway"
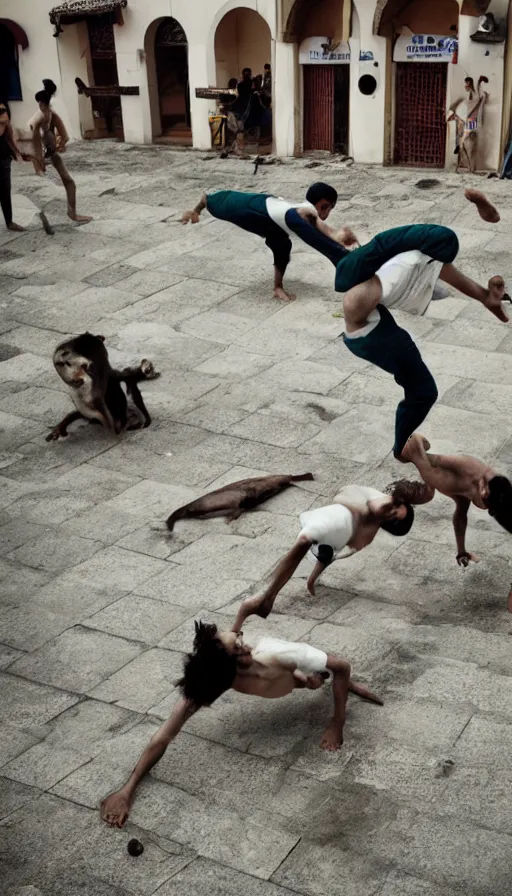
(171, 61)
(243, 41)
(422, 38)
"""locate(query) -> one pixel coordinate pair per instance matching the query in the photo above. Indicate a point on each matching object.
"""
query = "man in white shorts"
(221, 661)
(399, 269)
(276, 220)
(336, 532)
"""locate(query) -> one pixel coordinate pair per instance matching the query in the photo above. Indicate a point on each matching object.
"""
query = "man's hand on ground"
(190, 217)
(466, 557)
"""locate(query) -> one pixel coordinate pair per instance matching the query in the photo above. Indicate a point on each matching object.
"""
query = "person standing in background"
(8, 151)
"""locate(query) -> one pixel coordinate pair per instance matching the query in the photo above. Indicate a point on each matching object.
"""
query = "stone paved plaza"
(98, 602)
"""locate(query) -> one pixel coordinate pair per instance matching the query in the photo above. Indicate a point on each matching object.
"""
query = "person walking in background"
(9, 150)
(49, 139)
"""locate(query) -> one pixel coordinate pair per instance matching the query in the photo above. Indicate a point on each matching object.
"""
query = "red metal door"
(420, 114)
(318, 107)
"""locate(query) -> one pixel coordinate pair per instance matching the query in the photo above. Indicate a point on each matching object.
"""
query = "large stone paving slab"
(98, 600)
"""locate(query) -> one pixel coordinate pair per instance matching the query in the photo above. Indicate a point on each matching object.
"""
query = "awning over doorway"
(72, 10)
(17, 32)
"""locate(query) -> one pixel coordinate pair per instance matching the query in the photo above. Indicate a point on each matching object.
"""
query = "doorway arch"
(307, 18)
(170, 48)
(243, 41)
(434, 17)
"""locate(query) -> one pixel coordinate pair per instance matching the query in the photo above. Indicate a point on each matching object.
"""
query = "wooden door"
(107, 109)
(319, 83)
(420, 114)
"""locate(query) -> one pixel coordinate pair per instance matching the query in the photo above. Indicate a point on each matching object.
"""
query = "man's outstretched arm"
(460, 524)
(194, 215)
(261, 605)
(115, 808)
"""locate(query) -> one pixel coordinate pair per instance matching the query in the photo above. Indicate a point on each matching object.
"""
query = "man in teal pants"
(276, 220)
(399, 269)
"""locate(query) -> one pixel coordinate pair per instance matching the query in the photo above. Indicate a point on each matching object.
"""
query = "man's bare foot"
(495, 296)
(16, 228)
(190, 217)
(115, 809)
(79, 219)
(486, 209)
(332, 738)
(279, 293)
(412, 443)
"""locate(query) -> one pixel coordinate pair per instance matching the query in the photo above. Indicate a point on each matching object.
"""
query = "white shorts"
(304, 657)
(408, 282)
(332, 525)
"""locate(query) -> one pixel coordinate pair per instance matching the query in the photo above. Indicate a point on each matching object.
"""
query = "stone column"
(285, 100)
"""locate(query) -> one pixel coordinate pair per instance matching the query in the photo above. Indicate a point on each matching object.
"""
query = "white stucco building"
(370, 78)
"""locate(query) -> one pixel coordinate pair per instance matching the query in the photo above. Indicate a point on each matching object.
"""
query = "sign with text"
(425, 48)
(322, 51)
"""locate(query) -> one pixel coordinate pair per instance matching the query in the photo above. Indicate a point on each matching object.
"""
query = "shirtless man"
(467, 481)
(336, 532)
(49, 139)
(471, 121)
(222, 660)
(399, 269)
(276, 220)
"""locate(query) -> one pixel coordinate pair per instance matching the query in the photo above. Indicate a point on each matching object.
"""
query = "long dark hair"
(499, 502)
(210, 670)
(45, 96)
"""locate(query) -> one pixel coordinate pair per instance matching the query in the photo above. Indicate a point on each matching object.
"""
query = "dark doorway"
(10, 85)
(420, 110)
(341, 107)
(106, 109)
(326, 107)
(171, 57)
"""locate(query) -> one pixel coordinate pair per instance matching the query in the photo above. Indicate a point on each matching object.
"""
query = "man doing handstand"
(336, 532)
(399, 269)
(467, 481)
(221, 661)
(276, 220)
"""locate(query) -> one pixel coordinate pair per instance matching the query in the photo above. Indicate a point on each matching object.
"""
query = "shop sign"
(322, 51)
(425, 48)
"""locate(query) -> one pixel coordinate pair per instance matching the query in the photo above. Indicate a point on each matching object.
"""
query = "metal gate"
(326, 98)
(420, 110)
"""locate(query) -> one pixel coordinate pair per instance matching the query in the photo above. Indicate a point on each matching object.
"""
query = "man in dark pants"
(399, 269)
(276, 220)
